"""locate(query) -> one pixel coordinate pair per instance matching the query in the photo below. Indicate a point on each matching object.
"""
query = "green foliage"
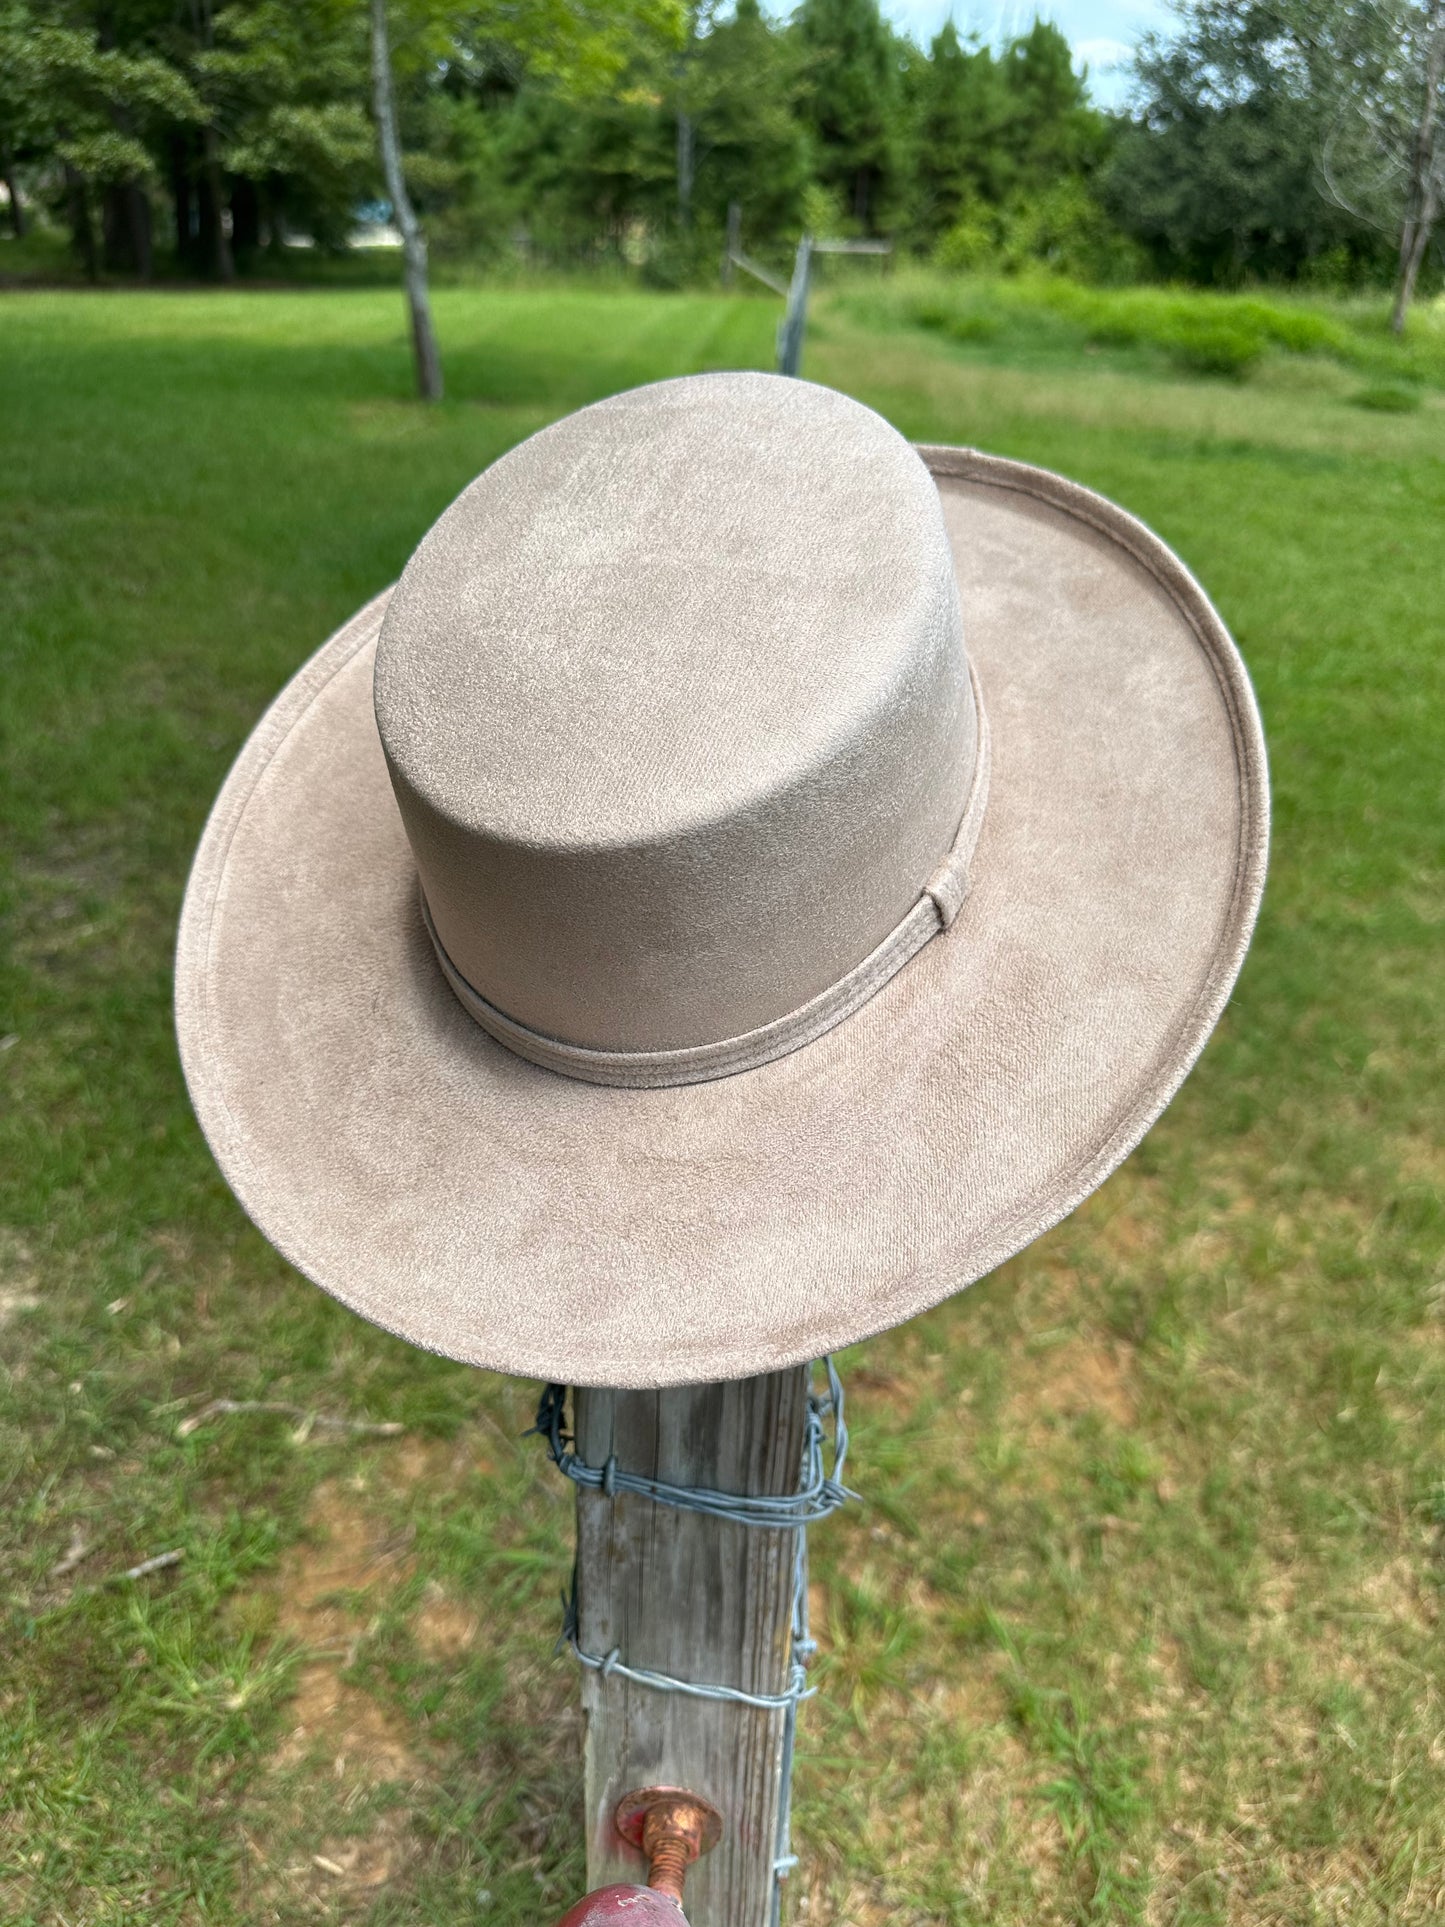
(81, 76)
(621, 132)
(582, 47)
(1213, 347)
(256, 113)
(64, 94)
(851, 92)
(1004, 143)
(286, 82)
(957, 107)
(1266, 130)
(753, 144)
(1049, 130)
(1063, 228)
(1196, 332)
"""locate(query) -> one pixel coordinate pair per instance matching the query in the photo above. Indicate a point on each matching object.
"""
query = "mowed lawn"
(1140, 1621)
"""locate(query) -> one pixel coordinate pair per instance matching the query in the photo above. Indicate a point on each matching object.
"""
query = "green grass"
(1140, 1623)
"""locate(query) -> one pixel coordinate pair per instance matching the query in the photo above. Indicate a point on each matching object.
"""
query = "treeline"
(1281, 139)
(213, 133)
(833, 123)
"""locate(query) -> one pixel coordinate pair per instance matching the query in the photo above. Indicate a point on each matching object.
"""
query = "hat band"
(935, 910)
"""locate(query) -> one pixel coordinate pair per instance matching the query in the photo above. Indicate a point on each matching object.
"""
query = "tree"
(1050, 130)
(26, 124)
(286, 81)
(88, 107)
(1425, 163)
(1384, 155)
(959, 108)
(751, 144)
(1220, 173)
(629, 126)
(1275, 131)
(697, 21)
(580, 46)
(851, 102)
(413, 245)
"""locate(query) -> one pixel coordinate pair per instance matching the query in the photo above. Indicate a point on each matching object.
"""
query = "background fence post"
(734, 242)
(795, 316)
(699, 1599)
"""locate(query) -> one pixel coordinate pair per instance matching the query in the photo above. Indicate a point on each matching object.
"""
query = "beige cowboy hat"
(748, 879)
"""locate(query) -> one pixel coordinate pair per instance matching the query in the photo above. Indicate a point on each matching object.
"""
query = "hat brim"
(510, 1217)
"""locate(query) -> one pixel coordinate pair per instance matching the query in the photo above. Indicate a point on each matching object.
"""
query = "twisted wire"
(820, 1492)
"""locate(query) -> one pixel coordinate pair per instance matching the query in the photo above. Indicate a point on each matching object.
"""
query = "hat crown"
(676, 709)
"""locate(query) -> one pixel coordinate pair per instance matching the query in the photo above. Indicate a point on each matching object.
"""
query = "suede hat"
(749, 878)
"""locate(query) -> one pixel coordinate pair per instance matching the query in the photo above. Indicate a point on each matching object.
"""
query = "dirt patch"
(880, 1386)
(344, 1553)
(329, 1586)
(360, 1866)
(1396, 1592)
(330, 1589)
(1126, 1219)
(336, 1878)
(435, 1463)
(443, 1629)
(1072, 1378)
(1421, 1160)
(991, 1821)
(976, 1699)
(18, 1277)
(418, 1459)
(1268, 1886)
(340, 1719)
(12, 1303)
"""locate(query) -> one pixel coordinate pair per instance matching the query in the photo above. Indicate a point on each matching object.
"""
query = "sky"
(1101, 32)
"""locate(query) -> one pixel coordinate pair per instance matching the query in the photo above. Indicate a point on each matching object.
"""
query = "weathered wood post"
(795, 315)
(698, 1600)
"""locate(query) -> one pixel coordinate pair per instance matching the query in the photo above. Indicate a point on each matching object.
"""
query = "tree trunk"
(222, 263)
(115, 247)
(686, 131)
(245, 217)
(82, 225)
(1413, 243)
(12, 189)
(272, 230)
(686, 149)
(215, 244)
(1422, 201)
(125, 205)
(413, 243)
(183, 199)
(138, 210)
(126, 227)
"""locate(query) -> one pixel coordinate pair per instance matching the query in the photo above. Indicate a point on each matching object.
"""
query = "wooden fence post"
(699, 1599)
